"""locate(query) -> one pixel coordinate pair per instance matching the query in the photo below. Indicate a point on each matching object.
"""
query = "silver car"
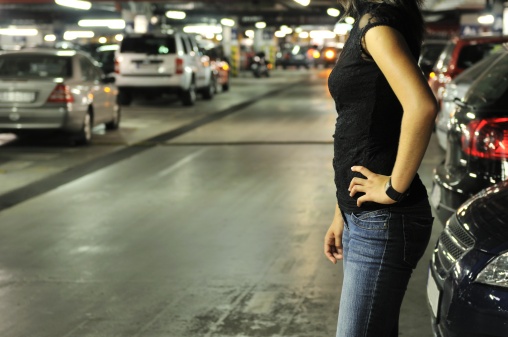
(55, 90)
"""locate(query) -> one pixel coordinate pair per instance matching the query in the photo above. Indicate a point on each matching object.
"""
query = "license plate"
(17, 96)
(433, 294)
(435, 196)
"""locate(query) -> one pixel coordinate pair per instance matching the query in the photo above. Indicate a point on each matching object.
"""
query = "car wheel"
(210, 89)
(225, 86)
(189, 96)
(124, 97)
(84, 137)
(114, 124)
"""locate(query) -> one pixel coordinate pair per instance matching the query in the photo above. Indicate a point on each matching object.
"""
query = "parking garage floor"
(202, 221)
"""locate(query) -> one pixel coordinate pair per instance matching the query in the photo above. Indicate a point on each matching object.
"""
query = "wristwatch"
(392, 193)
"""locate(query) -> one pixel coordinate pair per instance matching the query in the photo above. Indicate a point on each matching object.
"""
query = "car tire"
(225, 86)
(114, 124)
(84, 136)
(210, 90)
(188, 96)
(124, 97)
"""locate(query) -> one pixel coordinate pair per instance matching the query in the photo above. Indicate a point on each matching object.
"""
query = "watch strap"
(392, 193)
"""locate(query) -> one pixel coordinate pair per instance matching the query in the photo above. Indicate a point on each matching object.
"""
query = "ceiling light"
(342, 28)
(333, 12)
(304, 35)
(176, 15)
(119, 37)
(227, 22)
(279, 34)
(50, 38)
(78, 4)
(303, 2)
(110, 23)
(103, 40)
(322, 34)
(260, 25)
(349, 20)
(487, 19)
(72, 35)
(249, 33)
(19, 31)
(218, 37)
(202, 29)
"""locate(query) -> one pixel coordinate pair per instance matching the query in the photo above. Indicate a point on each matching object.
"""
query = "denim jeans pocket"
(372, 220)
(417, 232)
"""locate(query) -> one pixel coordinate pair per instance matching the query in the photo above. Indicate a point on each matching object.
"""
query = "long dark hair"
(411, 7)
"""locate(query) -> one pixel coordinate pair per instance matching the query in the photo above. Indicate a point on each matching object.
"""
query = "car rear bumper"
(149, 82)
(28, 119)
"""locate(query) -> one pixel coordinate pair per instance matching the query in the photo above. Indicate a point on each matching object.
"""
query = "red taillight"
(486, 138)
(61, 94)
(117, 66)
(179, 66)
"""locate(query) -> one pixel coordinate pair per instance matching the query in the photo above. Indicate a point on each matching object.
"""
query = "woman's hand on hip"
(374, 187)
(333, 241)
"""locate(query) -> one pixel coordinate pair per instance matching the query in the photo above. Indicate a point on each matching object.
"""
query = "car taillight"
(486, 138)
(117, 66)
(179, 66)
(61, 94)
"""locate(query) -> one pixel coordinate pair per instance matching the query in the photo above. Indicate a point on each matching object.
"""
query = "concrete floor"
(217, 232)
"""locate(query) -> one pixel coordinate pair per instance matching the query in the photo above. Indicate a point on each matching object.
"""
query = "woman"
(386, 112)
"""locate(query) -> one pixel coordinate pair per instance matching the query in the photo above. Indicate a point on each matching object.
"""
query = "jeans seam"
(377, 280)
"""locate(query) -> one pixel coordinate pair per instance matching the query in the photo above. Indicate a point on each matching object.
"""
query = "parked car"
(105, 56)
(296, 56)
(467, 286)
(477, 150)
(431, 49)
(220, 66)
(457, 89)
(328, 56)
(162, 63)
(55, 90)
(459, 54)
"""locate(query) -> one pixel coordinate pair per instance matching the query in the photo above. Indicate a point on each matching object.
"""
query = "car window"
(149, 45)
(430, 52)
(445, 57)
(472, 73)
(88, 70)
(35, 66)
(471, 54)
(185, 46)
(492, 85)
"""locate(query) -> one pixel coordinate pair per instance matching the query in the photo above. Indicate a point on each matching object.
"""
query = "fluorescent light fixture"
(19, 31)
(50, 38)
(286, 29)
(249, 33)
(342, 28)
(218, 37)
(78, 4)
(209, 36)
(73, 35)
(349, 20)
(487, 19)
(303, 2)
(227, 22)
(176, 15)
(66, 52)
(108, 48)
(260, 25)
(279, 34)
(322, 34)
(202, 29)
(103, 40)
(110, 23)
(333, 12)
(119, 37)
(303, 35)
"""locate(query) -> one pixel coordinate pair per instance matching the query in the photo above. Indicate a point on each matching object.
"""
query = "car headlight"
(496, 272)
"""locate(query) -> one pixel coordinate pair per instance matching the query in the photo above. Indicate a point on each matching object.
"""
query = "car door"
(203, 70)
(96, 90)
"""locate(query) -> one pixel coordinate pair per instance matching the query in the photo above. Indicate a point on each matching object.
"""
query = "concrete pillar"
(258, 39)
(231, 47)
(498, 12)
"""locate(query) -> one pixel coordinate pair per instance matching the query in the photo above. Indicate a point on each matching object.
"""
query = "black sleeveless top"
(369, 114)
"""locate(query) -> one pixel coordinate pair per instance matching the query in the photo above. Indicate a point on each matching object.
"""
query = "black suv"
(477, 151)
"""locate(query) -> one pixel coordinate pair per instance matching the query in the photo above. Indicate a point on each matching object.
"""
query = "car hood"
(485, 216)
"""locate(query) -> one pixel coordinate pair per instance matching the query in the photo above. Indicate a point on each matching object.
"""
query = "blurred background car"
(328, 56)
(459, 54)
(220, 66)
(55, 90)
(105, 56)
(467, 285)
(477, 150)
(431, 49)
(457, 89)
(296, 56)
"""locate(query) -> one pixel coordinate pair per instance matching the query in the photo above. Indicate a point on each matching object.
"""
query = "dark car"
(459, 54)
(467, 286)
(328, 56)
(105, 55)
(477, 150)
(297, 56)
(431, 49)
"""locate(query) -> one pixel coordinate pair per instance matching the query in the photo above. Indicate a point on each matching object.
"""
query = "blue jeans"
(381, 249)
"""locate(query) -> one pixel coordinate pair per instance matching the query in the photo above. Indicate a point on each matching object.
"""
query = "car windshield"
(149, 45)
(492, 85)
(35, 66)
(471, 54)
(430, 52)
(471, 74)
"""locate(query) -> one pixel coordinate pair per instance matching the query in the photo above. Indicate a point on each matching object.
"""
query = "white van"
(162, 63)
